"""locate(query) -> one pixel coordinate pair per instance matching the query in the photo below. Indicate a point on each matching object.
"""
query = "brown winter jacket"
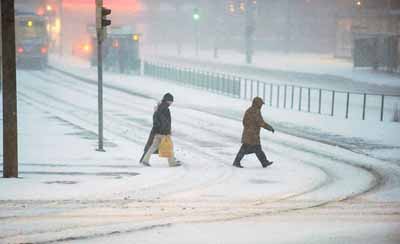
(253, 122)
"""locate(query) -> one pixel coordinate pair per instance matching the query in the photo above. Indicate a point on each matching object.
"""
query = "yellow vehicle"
(31, 40)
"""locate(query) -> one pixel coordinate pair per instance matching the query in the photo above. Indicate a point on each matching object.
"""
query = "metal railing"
(283, 96)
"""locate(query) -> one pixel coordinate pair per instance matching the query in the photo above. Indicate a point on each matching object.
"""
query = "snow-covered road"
(309, 180)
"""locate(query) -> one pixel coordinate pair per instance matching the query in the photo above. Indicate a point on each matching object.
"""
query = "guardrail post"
(229, 85)
(224, 84)
(220, 83)
(196, 78)
(382, 106)
(239, 87)
(300, 97)
(309, 100)
(209, 80)
(284, 96)
(271, 87)
(238, 83)
(202, 79)
(251, 89)
(216, 82)
(166, 72)
(264, 85)
(233, 81)
(216, 85)
(277, 95)
(258, 88)
(333, 103)
(193, 77)
(245, 89)
(364, 105)
(292, 100)
(319, 101)
(347, 105)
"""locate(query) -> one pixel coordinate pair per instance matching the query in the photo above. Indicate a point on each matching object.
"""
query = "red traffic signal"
(104, 21)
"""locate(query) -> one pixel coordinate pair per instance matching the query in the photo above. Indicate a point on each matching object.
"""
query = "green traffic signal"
(196, 15)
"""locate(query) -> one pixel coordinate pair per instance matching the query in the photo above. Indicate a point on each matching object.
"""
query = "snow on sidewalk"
(58, 160)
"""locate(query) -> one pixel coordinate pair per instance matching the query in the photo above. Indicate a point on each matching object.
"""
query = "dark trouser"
(148, 144)
(249, 149)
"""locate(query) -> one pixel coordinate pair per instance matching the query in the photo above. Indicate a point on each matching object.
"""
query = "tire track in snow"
(250, 216)
(134, 107)
(373, 187)
(121, 132)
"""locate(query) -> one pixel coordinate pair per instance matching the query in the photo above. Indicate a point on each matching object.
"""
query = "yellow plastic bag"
(166, 148)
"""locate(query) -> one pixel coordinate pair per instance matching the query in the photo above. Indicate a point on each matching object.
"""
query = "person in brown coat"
(252, 123)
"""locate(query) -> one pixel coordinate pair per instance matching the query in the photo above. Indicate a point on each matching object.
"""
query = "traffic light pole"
(100, 88)
(101, 23)
(197, 38)
(196, 18)
(288, 27)
(249, 30)
(10, 132)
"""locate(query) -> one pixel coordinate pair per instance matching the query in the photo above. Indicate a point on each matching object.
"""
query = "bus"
(120, 49)
(32, 43)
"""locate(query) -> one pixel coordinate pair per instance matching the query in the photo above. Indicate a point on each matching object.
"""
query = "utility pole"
(218, 34)
(218, 28)
(101, 23)
(249, 29)
(1, 59)
(10, 132)
(61, 36)
(288, 27)
(196, 18)
(178, 36)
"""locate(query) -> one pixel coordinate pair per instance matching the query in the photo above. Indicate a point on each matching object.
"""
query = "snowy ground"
(316, 192)
(315, 70)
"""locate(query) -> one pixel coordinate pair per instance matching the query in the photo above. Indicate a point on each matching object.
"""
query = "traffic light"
(196, 14)
(49, 8)
(104, 21)
(135, 37)
(101, 15)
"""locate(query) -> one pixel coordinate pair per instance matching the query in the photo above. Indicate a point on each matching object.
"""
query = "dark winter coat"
(161, 125)
(253, 122)
(162, 120)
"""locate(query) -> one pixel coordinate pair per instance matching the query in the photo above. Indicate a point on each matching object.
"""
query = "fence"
(283, 96)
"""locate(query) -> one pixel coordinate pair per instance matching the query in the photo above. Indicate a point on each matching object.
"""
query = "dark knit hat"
(168, 97)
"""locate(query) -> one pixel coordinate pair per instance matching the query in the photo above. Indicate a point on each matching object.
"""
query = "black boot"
(266, 163)
(237, 165)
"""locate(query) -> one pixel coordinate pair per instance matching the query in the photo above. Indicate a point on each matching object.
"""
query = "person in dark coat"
(161, 128)
(252, 123)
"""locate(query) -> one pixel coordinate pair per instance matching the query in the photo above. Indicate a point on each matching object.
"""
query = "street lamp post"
(178, 37)
(288, 27)
(196, 19)
(249, 29)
